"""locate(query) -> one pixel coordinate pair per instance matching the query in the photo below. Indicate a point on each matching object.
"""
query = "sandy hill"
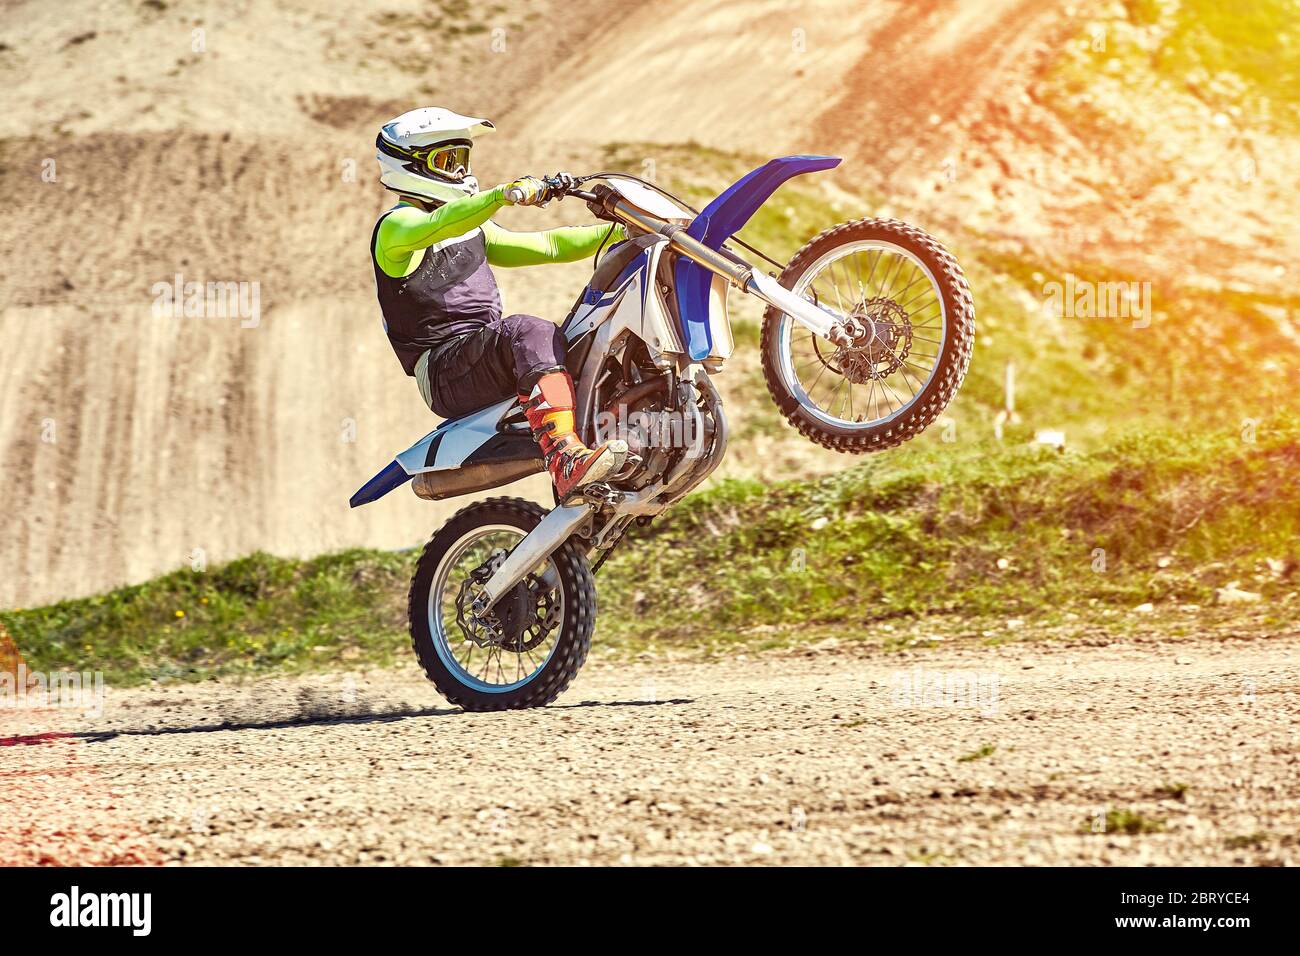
(232, 141)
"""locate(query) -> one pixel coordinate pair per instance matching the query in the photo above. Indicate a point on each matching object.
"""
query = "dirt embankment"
(237, 148)
(233, 144)
(135, 440)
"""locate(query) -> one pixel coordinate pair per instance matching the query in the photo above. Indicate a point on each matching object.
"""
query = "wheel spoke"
(926, 293)
(449, 600)
(888, 282)
(871, 275)
(893, 293)
(872, 405)
(899, 294)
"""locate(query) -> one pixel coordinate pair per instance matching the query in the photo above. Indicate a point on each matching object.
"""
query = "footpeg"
(631, 465)
(599, 493)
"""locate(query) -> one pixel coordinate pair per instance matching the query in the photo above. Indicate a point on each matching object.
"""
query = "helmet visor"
(451, 162)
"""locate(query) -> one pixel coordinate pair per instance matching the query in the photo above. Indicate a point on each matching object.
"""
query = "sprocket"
(520, 620)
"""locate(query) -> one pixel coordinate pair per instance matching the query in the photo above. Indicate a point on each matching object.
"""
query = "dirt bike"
(866, 338)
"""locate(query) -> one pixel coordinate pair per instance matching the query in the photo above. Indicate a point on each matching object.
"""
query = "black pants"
(501, 359)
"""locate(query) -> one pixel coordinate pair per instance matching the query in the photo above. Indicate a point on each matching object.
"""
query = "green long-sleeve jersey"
(407, 230)
(433, 269)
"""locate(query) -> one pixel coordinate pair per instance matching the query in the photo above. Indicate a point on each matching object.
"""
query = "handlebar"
(608, 203)
(555, 189)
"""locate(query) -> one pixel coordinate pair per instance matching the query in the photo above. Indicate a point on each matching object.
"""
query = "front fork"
(538, 545)
(835, 329)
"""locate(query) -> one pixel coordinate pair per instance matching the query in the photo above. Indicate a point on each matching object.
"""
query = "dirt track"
(817, 758)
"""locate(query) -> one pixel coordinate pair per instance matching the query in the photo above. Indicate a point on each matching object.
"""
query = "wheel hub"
(518, 622)
(880, 345)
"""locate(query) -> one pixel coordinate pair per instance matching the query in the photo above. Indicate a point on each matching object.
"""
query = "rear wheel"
(525, 651)
(914, 311)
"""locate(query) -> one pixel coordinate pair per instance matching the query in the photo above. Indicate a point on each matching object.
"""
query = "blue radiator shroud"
(718, 222)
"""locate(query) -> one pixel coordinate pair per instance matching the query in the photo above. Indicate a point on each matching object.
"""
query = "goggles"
(449, 161)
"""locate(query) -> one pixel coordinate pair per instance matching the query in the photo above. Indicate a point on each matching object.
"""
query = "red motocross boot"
(549, 409)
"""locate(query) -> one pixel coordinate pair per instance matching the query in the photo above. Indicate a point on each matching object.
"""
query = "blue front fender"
(718, 222)
(727, 215)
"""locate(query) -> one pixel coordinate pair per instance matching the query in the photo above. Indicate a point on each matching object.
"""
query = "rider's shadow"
(299, 720)
(233, 724)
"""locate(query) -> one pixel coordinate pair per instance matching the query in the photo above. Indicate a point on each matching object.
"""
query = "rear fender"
(453, 442)
(393, 476)
(478, 438)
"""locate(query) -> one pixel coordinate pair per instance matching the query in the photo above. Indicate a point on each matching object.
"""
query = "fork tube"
(744, 277)
(734, 272)
(538, 545)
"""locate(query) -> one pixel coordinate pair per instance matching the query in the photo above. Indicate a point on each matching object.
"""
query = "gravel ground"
(1014, 754)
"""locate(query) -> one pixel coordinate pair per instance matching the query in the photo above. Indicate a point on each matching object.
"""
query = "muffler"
(503, 458)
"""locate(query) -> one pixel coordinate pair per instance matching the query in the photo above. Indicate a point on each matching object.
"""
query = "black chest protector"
(450, 293)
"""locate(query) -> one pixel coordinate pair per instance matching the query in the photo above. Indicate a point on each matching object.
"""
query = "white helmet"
(425, 153)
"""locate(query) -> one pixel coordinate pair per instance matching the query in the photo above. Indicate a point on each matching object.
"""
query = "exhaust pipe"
(467, 479)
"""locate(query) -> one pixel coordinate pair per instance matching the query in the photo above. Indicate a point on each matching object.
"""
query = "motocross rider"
(432, 255)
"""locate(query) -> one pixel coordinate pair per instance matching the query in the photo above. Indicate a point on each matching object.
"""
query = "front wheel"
(914, 311)
(530, 646)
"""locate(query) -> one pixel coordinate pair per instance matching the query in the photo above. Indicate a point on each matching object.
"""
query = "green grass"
(1245, 55)
(924, 856)
(989, 531)
(1130, 822)
(1246, 841)
(254, 615)
(980, 530)
(986, 751)
(1183, 371)
(1172, 791)
(1241, 59)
